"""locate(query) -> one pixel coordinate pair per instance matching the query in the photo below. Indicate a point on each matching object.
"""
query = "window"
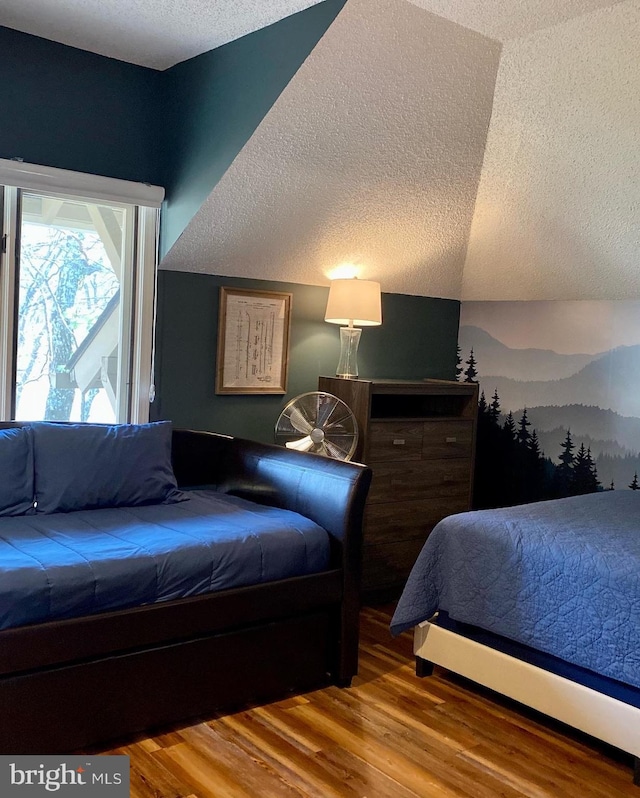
(77, 291)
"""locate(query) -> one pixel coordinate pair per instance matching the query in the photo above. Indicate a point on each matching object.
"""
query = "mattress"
(562, 577)
(73, 564)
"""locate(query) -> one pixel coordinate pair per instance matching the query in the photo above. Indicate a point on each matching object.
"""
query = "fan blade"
(326, 406)
(337, 423)
(302, 445)
(333, 450)
(299, 422)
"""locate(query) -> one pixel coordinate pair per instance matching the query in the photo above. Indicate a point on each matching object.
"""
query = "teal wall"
(75, 110)
(417, 339)
(215, 101)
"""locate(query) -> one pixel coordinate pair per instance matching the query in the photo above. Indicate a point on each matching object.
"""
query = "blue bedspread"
(72, 564)
(560, 576)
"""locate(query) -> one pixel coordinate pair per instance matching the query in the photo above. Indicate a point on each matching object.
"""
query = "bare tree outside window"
(71, 255)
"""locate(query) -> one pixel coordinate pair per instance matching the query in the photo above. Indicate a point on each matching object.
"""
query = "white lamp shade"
(354, 301)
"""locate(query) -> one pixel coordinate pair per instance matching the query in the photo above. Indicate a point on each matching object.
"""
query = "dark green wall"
(75, 110)
(417, 339)
(215, 101)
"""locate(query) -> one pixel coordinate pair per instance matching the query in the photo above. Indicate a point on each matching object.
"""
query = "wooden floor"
(391, 735)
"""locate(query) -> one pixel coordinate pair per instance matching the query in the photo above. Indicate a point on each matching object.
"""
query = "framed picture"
(253, 341)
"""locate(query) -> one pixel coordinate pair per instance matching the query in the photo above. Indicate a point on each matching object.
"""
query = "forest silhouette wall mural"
(559, 411)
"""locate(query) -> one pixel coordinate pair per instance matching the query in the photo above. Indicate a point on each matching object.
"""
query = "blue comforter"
(71, 564)
(560, 576)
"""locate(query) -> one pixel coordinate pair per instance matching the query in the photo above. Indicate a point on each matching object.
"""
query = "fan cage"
(319, 423)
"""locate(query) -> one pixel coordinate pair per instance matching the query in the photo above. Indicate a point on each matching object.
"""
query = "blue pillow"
(16, 471)
(86, 466)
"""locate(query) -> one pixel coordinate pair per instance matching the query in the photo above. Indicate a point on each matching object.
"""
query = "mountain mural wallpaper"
(559, 407)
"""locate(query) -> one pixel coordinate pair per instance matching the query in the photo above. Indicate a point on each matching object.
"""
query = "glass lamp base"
(348, 363)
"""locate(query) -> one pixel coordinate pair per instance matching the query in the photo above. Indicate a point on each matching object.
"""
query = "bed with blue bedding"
(68, 565)
(555, 584)
(149, 576)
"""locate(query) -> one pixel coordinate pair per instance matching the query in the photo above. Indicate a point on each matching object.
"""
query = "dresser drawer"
(420, 479)
(394, 521)
(395, 440)
(447, 439)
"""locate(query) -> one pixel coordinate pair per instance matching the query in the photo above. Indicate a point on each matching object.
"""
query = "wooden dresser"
(419, 439)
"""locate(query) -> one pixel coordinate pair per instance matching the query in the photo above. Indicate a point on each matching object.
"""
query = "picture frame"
(253, 341)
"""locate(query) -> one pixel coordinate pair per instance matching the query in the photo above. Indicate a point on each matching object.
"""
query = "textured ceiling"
(559, 199)
(153, 33)
(161, 33)
(371, 155)
(510, 19)
(374, 150)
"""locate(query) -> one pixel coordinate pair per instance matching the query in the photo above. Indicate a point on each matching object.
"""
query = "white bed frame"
(599, 715)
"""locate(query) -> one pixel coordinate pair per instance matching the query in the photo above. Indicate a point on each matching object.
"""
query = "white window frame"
(15, 175)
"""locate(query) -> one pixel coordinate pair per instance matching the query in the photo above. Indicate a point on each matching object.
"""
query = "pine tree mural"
(634, 482)
(459, 368)
(536, 470)
(563, 476)
(494, 407)
(583, 476)
(471, 373)
(512, 468)
(523, 432)
(510, 427)
(482, 404)
(593, 471)
(534, 445)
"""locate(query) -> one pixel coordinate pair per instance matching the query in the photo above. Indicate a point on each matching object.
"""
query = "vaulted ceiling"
(161, 33)
(478, 150)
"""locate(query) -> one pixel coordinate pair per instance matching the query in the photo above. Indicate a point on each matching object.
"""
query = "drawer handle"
(451, 439)
(398, 441)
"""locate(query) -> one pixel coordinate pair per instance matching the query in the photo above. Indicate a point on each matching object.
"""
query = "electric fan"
(320, 423)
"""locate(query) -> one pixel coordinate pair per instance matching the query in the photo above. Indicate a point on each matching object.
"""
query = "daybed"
(541, 603)
(88, 652)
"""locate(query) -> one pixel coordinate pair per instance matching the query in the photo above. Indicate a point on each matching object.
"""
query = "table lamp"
(352, 301)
